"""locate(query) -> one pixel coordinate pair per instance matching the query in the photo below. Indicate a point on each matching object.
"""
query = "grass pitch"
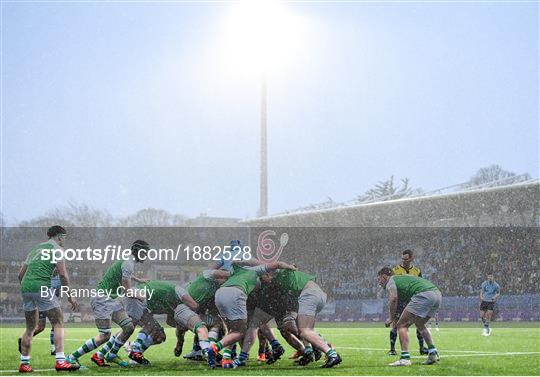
(510, 350)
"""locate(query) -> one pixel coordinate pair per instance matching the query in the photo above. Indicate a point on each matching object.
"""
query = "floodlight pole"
(263, 209)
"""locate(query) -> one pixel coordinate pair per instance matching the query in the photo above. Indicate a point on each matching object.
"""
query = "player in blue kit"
(489, 293)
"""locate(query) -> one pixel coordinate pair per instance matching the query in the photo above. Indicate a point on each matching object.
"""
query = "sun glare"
(261, 35)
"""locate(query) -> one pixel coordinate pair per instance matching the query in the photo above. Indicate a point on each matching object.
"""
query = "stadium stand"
(456, 237)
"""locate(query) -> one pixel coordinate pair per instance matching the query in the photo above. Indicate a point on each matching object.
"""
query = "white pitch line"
(484, 354)
(17, 371)
(386, 349)
(445, 356)
(348, 331)
(470, 353)
(74, 339)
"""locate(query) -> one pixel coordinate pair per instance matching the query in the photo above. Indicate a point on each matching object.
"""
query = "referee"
(405, 268)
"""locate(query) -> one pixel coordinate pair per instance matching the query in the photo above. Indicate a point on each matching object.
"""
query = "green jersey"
(292, 281)
(39, 267)
(112, 279)
(408, 285)
(164, 299)
(246, 279)
(202, 289)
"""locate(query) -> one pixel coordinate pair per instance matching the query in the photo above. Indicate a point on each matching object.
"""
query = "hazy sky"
(125, 106)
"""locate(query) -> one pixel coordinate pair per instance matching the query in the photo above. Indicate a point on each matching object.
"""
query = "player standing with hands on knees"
(422, 300)
(406, 268)
(489, 293)
(36, 272)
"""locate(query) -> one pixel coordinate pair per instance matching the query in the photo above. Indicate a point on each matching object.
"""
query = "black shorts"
(487, 305)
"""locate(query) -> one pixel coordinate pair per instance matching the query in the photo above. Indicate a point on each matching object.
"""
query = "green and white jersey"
(164, 298)
(407, 286)
(112, 279)
(39, 267)
(292, 281)
(246, 279)
(203, 288)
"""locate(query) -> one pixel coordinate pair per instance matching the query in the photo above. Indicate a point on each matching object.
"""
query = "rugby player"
(35, 273)
(230, 299)
(269, 302)
(262, 305)
(225, 264)
(489, 293)
(181, 309)
(216, 331)
(197, 296)
(55, 286)
(163, 300)
(406, 268)
(107, 310)
(311, 300)
(422, 300)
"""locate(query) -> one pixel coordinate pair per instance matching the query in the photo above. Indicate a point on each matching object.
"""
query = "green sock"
(140, 346)
(115, 348)
(219, 346)
(227, 354)
(88, 346)
(106, 347)
(405, 355)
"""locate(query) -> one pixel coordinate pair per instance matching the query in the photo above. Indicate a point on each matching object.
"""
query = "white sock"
(60, 356)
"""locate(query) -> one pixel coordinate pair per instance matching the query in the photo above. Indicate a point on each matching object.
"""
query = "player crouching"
(110, 309)
(311, 300)
(423, 299)
(162, 301)
(231, 299)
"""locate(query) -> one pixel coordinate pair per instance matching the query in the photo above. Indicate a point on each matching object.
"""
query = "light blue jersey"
(489, 289)
(226, 263)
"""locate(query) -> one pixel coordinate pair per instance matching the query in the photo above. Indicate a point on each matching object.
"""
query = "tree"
(78, 215)
(152, 217)
(386, 190)
(495, 175)
(82, 215)
(45, 222)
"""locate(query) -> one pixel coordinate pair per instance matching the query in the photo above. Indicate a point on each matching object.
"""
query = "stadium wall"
(515, 205)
